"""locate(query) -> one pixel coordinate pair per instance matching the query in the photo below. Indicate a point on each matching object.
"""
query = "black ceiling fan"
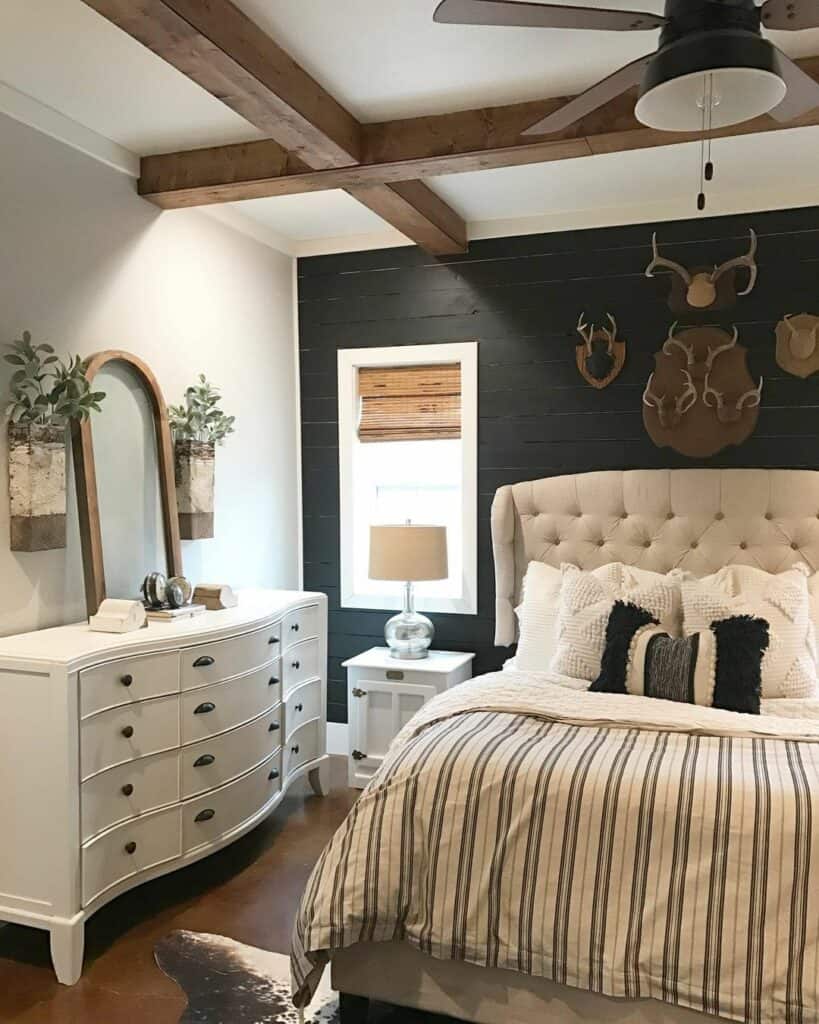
(712, 68)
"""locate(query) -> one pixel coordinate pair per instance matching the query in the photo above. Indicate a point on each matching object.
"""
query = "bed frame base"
(353, 1009)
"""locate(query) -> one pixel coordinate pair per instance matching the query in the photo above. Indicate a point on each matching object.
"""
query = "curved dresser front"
(123, 757)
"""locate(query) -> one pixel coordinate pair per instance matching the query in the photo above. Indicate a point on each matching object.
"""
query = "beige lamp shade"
(408, 553)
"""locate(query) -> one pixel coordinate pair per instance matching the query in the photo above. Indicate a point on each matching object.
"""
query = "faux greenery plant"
(45, 390)
(200, 418)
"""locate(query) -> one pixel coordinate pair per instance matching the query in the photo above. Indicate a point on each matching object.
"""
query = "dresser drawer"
(209, 710)
(113, 737)
(127, 681)
(300, 664)
(208, 663)
(213, 762)
(128, 849)
(300, 624)
(303, 703)
(129, 790)
(208, 817)
(302, 746)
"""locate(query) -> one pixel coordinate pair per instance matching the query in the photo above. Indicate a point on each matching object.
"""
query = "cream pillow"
(586, 601)
(782, 599)
(537, 618)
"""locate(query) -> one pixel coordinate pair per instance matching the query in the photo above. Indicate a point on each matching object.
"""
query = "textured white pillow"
(782, 599)
(586, 601)
(537, 617)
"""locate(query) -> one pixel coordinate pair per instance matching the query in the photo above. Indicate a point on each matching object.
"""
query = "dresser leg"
(67, 948)
(354, 1009)
(320, 778)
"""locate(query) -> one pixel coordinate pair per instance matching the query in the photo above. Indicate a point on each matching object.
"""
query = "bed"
(530, 851)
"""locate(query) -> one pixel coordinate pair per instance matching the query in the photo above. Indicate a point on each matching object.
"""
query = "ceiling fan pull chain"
(709, 165)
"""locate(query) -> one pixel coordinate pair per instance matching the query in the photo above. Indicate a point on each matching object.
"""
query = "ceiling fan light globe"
(741, 94)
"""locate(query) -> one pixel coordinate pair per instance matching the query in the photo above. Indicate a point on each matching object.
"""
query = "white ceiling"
(386, 59)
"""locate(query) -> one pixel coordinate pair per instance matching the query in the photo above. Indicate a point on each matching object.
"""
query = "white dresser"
(123, 757)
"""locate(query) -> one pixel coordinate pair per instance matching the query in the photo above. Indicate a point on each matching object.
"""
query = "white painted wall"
(86, 265)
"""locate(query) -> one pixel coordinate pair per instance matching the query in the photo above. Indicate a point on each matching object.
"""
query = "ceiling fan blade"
(790, 15)
(592, 99)
(802, 94)
(531, 15)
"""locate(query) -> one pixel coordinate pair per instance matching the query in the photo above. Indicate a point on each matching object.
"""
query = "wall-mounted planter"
(194, 463)
(36, 487)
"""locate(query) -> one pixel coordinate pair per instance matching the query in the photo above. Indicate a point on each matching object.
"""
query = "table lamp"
(408, 553)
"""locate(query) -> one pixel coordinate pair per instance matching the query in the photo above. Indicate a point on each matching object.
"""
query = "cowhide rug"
(229, 983)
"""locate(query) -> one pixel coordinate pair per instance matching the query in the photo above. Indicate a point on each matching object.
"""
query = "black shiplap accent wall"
(520, 298)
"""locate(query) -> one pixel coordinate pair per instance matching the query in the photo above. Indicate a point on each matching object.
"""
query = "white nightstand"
(383, 693)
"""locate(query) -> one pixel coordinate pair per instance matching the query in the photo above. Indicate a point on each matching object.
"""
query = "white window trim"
(349, 361)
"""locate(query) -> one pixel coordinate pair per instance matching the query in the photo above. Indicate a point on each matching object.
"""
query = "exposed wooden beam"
(220, 48)
(216, 45)
(421, 147)
(413, 208)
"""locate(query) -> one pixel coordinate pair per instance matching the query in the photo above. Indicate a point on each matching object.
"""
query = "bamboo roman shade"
(410, 403)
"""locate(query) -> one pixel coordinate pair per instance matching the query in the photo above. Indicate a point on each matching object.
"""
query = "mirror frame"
(86, 480)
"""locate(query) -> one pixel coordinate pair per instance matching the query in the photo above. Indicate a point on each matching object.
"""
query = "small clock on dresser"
(126, 756)
(383, 693)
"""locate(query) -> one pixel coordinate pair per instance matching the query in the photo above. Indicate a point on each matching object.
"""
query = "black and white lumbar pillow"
(718, 667)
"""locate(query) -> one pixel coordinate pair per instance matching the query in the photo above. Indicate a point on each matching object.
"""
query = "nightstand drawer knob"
(358, 756)
(128, 732)
(127, 789)
(296, 665)
(126, 680)
(273, 775)
(359, 693)
(130, 848)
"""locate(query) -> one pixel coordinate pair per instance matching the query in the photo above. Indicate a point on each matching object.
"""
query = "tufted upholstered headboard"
(697, 519)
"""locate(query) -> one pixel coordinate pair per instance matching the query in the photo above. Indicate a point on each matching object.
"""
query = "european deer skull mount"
(700, 397)
(601, 355)
(797, 344)
(705, 288)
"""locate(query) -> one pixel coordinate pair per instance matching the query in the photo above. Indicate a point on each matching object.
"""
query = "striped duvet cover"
(624, 845)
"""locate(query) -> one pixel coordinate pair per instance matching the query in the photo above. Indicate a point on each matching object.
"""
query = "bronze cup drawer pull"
(128, 732)
(272, 681)
(127, 789)
(296, 665)
(126, 680)
(203, 661)
(204, 761)
(273, 727)
(273, 775)
(130, 847)
(205, 708)
(273, 640)
(205, 815)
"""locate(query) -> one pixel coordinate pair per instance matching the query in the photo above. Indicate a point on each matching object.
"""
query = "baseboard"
(337, 738)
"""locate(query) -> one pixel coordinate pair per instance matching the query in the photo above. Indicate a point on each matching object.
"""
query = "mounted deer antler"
(698, 367)
(682, 403)
(610, 333)
(748, 261)
(586, 332)
(701, 286)
(730, 412)
(803, 340)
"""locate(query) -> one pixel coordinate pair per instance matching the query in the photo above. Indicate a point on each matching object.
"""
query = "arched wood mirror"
(126, 496)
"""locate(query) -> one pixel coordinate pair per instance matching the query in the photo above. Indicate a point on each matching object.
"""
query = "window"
(408, 451)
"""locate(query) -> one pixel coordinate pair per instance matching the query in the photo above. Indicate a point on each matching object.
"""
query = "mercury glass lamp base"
(409, 635)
